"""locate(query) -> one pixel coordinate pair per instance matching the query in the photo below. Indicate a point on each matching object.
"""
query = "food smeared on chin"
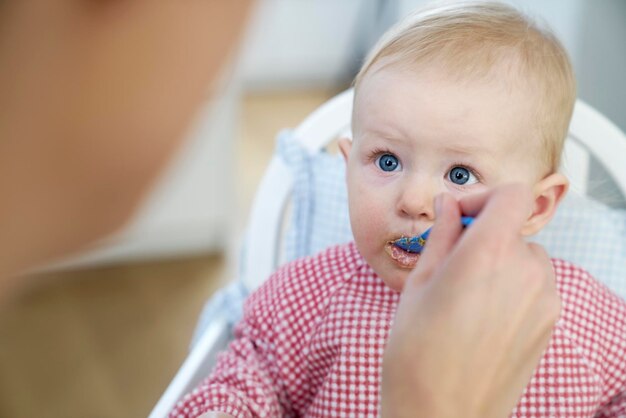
(403, 258)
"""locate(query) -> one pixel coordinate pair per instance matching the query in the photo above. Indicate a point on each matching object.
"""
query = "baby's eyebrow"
(390, 134)
(469, 144)
(485, 155)
(466, 149)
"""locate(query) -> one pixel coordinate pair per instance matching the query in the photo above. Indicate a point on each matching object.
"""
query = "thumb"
(442, 238)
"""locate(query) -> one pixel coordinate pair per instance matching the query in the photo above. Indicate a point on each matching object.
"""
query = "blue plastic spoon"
(416, 244)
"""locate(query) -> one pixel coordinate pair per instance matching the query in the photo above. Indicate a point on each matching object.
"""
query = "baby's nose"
(416, 201)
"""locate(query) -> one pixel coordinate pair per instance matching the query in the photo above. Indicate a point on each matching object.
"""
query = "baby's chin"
(394, 272)
(402, 259)
(395, 280)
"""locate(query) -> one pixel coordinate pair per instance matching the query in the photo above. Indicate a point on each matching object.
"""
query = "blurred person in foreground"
(97, 95)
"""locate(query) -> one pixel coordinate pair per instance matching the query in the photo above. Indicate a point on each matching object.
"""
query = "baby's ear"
(548, 194)
(345, 145)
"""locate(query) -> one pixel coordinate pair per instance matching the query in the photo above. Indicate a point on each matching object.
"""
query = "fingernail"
(438, 202)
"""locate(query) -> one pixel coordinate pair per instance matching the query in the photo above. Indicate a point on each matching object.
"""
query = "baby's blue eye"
(388, 162)
(461, 176)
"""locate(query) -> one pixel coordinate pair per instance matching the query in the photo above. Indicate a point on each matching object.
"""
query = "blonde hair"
(473, 39)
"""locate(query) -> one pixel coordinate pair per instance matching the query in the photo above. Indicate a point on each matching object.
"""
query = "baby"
(457, 98)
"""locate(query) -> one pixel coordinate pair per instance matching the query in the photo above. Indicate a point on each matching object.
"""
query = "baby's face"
(417, 135)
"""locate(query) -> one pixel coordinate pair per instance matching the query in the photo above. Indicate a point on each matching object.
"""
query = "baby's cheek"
(369, 210)
(367, 205)
(368, 226)
(459, 192)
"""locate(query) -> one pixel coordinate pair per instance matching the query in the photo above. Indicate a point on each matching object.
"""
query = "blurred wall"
(307, 44)
(601, 58)
(317, 44)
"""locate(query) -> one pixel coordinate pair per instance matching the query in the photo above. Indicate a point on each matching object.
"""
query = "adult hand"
(475, 315)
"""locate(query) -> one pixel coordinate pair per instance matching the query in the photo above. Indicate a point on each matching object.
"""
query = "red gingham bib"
(312, 339)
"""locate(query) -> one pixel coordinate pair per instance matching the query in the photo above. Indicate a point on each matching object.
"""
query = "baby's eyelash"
(377, 152)
(470, 168)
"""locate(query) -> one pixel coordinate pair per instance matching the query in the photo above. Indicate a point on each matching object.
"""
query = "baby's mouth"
(403, 258)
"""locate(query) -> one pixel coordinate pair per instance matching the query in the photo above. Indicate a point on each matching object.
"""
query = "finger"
(503, 210)
(444, 234)
(499, 216)
(473, 204)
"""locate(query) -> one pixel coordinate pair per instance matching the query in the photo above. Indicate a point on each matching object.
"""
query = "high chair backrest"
(262, 254)
(591, 137)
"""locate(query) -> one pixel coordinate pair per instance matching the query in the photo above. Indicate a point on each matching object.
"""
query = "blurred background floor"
(105, 342)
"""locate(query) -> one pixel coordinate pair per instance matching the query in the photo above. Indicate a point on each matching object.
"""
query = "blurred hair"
(488, 39)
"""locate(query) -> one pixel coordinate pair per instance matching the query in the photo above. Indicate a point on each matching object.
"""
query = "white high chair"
(591, 136)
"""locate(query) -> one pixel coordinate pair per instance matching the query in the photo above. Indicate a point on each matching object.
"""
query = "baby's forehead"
(451, 100)
(503, 72)
(485, 117)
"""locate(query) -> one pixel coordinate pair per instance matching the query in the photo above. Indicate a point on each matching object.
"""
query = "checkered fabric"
(312, 339)
(591, 235)
(319, 215)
